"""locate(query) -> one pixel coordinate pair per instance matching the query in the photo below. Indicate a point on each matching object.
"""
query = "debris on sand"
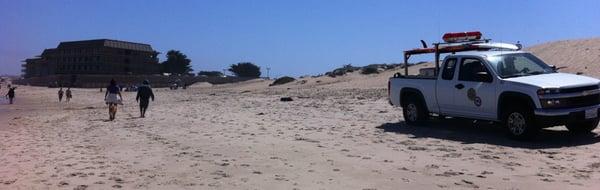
(286, 99)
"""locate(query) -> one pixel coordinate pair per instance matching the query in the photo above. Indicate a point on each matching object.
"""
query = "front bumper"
(553, 117)
(563, 111)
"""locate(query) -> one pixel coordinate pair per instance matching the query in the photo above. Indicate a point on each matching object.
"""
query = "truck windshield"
(518, 64)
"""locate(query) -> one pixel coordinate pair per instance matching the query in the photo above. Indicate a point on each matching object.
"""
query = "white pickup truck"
(515, 88)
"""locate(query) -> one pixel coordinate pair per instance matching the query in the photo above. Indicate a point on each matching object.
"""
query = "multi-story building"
(94, 57)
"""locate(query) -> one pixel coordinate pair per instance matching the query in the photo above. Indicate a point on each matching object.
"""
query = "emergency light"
(461, 36)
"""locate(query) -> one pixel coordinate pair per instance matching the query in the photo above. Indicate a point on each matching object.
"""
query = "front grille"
(580, 101)
(579, 89)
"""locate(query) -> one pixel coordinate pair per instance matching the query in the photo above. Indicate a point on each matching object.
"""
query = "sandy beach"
(337, 133)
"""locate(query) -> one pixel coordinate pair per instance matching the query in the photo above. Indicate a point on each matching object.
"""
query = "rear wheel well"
(405, 93)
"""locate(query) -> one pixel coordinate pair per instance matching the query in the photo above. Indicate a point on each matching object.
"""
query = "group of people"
(113, 97)
(68, 93)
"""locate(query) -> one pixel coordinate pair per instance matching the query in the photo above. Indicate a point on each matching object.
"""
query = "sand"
(572, 56)
(338, 133)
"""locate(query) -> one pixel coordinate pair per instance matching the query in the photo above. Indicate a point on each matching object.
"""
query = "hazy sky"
(292, 37)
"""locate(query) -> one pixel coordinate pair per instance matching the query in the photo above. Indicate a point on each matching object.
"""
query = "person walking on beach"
(11, 94)
(69, 95)
(113, 97)
(60, 94)
(144, 94)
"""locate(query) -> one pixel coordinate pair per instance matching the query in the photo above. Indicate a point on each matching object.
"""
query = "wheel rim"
(411, 112)
(516, 123)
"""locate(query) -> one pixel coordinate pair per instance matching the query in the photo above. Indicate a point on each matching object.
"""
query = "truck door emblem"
(471, 94)
(477, 101)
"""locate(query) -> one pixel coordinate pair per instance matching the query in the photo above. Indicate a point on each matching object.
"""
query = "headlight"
(548, 91)
(550, 103)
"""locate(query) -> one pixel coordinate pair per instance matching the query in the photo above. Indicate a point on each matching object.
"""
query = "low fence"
(99, 81)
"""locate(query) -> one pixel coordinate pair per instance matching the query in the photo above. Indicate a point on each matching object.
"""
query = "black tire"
(414, 111)
(519, 123)
(583, 126)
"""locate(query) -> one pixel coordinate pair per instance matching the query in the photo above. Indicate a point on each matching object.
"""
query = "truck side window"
(469, 69)
(448, 72)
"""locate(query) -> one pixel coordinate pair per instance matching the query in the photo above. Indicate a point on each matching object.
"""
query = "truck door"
(474, 91)
(445, 87)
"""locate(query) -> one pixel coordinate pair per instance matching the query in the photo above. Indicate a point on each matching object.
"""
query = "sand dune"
(575, 55)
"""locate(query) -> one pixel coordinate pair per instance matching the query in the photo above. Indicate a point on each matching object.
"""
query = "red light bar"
(461, 36)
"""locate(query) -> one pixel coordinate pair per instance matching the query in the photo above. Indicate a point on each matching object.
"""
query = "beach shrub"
(342, 70)
(282, 80)
(210, 73)
(245, 69)
(369, 70)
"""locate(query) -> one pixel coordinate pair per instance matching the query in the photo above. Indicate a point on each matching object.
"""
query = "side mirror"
(483, 77)
(553, 67)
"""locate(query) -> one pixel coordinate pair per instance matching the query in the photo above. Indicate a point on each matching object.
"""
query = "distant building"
(94, 57)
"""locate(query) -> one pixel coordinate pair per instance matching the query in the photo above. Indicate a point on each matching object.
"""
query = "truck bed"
(424, 84)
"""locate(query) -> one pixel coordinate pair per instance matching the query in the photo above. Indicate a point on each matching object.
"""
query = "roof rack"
(456, 42)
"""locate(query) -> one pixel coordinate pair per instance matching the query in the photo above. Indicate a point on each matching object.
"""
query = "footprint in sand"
(62, 183)
(80, 187)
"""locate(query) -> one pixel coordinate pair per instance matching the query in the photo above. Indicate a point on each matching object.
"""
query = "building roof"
(48, 51)
(107, 43)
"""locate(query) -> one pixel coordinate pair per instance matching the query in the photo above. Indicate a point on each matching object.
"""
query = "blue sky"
(292, 37)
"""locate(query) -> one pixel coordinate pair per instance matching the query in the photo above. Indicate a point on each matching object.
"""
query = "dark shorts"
(144, 103)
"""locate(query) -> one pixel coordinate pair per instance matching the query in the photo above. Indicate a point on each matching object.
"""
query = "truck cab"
(512, 87)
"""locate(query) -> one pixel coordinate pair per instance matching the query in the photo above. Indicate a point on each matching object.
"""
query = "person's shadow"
(468, 131)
